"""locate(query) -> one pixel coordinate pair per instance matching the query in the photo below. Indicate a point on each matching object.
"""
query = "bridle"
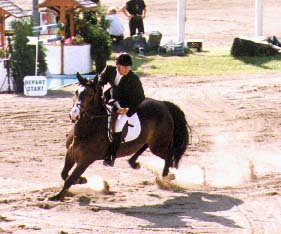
(86, 113)
(88, 116)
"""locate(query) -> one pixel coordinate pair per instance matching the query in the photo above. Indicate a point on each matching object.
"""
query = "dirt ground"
(228, 180)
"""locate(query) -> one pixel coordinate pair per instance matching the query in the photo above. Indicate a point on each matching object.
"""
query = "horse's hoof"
(81, 180)
(134, 165)
(169, 177)
(57, 197)
(108, 163)
(137, 166)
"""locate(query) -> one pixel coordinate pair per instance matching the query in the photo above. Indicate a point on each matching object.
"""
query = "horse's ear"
(96, 85)
(81, 80)
(93, 83)
(96, 79)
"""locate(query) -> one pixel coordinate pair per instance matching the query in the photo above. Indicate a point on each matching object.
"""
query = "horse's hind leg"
(75, 175)
(133, 159)
(168, 164)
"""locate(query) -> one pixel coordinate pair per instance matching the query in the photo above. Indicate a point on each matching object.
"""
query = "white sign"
(35, 85)
(32, 40)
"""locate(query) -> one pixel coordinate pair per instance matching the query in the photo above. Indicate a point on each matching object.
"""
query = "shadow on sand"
(177, 211)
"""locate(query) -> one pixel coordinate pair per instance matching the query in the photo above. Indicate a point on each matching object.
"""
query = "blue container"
(141, 51)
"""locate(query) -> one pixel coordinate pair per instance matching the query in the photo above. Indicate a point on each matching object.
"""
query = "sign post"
(36, 54)
(258, 17)
(181, 21)
(35, 12)
(37, 85)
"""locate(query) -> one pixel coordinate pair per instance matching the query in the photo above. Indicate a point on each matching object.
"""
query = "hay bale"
(247, 47)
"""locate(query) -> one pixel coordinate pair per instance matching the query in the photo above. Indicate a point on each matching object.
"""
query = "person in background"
(116, 28)
(135, 10)
(127, 93)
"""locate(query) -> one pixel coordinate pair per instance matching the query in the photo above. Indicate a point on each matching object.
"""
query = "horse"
(164, 131)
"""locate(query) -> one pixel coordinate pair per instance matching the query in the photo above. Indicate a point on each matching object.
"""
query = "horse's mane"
(95, 115)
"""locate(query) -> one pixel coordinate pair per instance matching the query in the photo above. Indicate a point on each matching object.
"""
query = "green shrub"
(92, 26)
(23, 55)
(2, 53)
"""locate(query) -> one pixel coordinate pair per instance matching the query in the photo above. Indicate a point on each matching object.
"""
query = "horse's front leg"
(133, 159)
(68, 164)
(72, 179)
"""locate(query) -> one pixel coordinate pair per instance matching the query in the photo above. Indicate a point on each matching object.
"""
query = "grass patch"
(212, 61)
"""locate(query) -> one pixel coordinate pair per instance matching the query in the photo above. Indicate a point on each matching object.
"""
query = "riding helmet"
(124, 59)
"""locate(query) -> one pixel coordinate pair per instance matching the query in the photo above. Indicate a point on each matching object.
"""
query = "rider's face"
(123, 70)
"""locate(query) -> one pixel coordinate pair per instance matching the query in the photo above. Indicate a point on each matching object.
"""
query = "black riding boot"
(115, 144)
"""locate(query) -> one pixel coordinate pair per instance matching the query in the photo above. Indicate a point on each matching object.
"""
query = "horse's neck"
(89, 128)
(92, 124)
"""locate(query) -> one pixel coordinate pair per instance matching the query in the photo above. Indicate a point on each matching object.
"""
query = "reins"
(103, 111)
(95, 116)
(92, 116)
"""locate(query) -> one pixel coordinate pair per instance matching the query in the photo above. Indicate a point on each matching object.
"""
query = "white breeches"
(120, 123)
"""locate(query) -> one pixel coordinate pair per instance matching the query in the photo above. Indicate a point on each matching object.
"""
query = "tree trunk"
(100, 63)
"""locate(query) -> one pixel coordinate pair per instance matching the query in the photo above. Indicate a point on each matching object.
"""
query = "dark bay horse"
(163, 130)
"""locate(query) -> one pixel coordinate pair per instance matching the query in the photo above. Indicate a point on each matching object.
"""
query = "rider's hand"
(122, 111)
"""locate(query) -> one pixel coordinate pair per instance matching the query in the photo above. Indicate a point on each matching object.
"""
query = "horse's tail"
(180, 134)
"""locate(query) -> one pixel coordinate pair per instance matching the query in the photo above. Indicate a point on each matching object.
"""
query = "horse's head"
(87, 96)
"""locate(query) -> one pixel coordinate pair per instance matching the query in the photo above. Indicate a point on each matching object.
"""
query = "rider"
(127, 93)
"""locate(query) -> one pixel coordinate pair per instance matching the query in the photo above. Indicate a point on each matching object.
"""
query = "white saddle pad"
(134, 127)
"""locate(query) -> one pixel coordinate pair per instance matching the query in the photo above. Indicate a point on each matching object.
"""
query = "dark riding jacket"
(129, 92)
(135, 7)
